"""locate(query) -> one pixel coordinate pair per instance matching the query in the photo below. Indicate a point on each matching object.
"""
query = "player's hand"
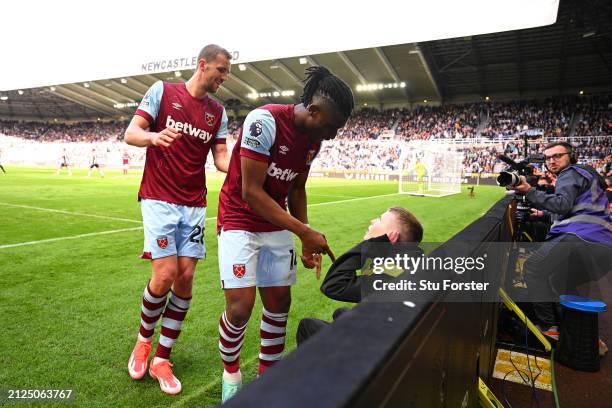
(314, 242)
(522, 188)
(165, 137)
(536, 213)
(312, 261)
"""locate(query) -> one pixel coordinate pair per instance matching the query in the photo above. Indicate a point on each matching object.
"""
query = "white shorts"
(261, 259)
(172, 229)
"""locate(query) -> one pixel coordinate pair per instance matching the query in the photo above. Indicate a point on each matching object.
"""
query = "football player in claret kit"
(267, 173)
(125, 158)
(179, 123)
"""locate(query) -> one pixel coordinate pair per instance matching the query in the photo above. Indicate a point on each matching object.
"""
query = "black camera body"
(511, 177)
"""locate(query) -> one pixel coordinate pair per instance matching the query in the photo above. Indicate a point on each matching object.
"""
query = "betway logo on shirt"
(188, 129)
(280, 174)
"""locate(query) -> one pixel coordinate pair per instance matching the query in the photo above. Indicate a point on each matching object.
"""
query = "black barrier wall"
(393, 354)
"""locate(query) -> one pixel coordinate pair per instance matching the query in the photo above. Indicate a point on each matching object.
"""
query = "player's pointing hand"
(314, 244)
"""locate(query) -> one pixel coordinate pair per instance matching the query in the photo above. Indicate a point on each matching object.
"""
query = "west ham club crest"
(239, 270)
(210, 119)
(162, 242)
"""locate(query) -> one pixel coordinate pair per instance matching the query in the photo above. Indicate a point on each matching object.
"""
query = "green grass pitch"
(70, 305)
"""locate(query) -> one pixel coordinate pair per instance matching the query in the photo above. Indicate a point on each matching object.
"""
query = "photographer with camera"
(580, 211)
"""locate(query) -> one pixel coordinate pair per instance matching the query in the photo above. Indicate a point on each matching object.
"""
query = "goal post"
(430, 168)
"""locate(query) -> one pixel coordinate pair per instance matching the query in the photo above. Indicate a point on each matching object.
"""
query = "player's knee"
(280, 303)
(283, 304)
(238, 313)
(186, 277)
(165, 277)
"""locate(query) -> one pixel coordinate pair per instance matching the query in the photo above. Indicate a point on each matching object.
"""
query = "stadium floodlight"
(123, 81)
(52, 89)
(125, 105)
(376, 87)
(86, 84)
(20, 92)
(303, 61)
(3, 98)
(242, 67)
(178, 74)
(255, 95)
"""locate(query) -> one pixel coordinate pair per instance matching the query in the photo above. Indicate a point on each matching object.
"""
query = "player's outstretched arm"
(297, 203)
(137, 134)
(297, 200)
(253, 178)
(220, 156)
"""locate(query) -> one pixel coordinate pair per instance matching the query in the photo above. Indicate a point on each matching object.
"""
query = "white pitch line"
(44, 241)
(104, 217)
(352, 199)
(91, 234)
(330, 195)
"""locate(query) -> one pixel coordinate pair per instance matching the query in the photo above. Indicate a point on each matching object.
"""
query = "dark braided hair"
(320, 81)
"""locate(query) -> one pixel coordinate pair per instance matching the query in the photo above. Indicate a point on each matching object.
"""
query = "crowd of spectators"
(447, 121)
(481, 156)
(590, 116)
(359, 146)
(551, 117)
(233, 128)
(358, 155)
(368, 124)
(595, 116)
(65, 132)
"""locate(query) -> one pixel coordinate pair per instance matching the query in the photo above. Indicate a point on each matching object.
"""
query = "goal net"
(430, 168)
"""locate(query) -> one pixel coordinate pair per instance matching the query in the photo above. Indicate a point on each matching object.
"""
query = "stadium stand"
(585, 122)
(452, 121)
(549, 118)
(65, 132)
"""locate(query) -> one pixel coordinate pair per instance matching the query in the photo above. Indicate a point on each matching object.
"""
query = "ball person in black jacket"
(396, 225)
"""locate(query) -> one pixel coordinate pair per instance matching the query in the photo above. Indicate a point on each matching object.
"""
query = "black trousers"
(310, 326)
(558, 267)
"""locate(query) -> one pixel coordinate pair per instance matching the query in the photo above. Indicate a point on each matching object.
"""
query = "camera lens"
(508, 178)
